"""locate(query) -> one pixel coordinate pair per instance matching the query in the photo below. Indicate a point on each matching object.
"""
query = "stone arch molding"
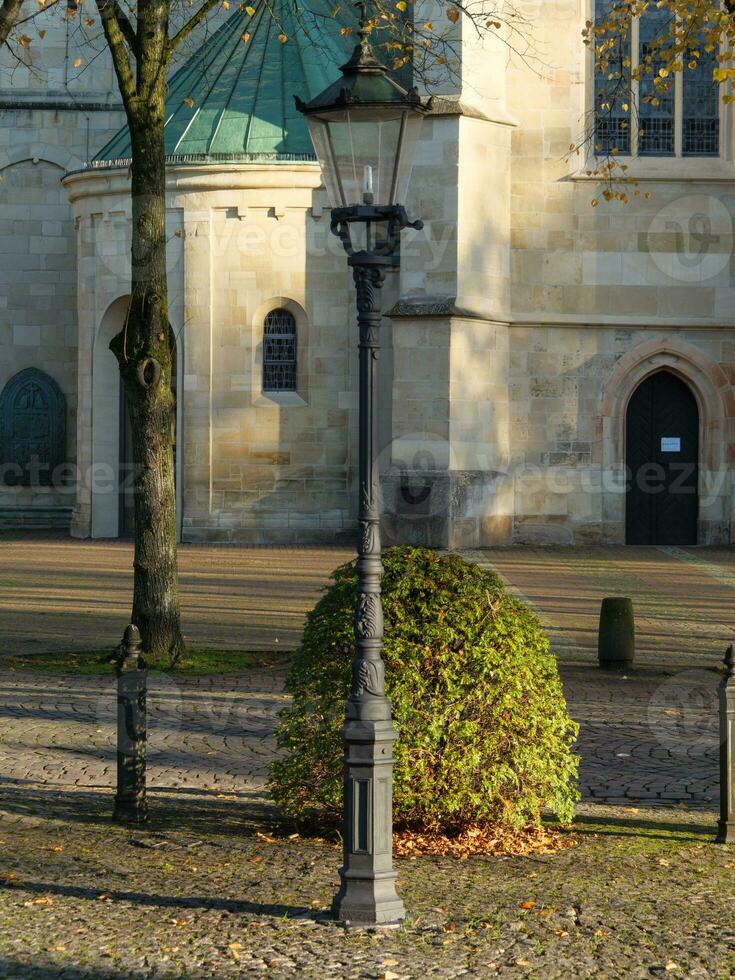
(35, 153)
(704, 376)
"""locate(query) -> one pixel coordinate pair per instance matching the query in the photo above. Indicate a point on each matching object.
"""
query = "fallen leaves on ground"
(475, 840)
(41, 900)
(266, 838)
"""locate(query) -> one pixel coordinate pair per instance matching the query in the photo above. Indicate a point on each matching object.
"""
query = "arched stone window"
(279, 351)
(33, 420)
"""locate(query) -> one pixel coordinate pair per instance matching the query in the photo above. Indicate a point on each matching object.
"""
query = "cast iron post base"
(131, 805)
(726, 823)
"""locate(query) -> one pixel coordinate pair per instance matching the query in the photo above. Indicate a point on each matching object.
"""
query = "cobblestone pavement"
(207, 892)
(209, 733)
(649, 737)
(644, 893)
(59, 594)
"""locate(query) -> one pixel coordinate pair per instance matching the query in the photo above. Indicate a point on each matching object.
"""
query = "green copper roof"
(241, 92)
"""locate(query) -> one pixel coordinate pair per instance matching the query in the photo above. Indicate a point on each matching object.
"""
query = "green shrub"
(484, 734)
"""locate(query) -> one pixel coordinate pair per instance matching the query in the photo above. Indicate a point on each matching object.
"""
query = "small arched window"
(279, 351)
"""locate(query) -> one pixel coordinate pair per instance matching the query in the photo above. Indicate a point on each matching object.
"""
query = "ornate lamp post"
(365, 128)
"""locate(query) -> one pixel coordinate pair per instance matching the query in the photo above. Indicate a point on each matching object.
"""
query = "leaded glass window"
(701, 109)
(639, 118)
(656, 112)
(612, 94)
(279, 351)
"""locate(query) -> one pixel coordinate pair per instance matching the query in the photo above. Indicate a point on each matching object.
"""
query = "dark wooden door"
(662, 454)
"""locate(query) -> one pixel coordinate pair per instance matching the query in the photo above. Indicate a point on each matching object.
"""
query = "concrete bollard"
(131, 805)
(726, 823)
(616, 639)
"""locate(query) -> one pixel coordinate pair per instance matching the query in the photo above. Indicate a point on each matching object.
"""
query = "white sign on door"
(670, 444)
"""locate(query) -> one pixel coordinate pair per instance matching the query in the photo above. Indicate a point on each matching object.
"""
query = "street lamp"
(365, 128)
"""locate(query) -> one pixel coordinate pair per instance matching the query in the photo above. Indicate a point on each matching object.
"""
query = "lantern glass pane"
(411, 132)
(361, 140)
(319, 133)
(369, 140)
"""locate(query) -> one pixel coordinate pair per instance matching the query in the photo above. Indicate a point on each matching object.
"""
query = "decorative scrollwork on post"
(369, 679)
(369, 617)
(369, 538)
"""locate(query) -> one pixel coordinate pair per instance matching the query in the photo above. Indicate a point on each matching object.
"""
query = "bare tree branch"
(189, 26)
(116, 38)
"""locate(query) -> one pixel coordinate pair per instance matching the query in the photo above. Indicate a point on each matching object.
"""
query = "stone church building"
(554, 371)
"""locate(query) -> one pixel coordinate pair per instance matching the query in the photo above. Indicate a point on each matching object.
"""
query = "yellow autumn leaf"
(89, 21)
(225, 5)
(250, 11)
(429, 26)
(346, 31)
(283, 38)
(77, 62)
(401, 5)
(189, 102)
(42, 34)
(453, 15)
(245, 37)
(24, 40)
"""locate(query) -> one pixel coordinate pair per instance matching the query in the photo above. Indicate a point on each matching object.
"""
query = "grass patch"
(198, 662)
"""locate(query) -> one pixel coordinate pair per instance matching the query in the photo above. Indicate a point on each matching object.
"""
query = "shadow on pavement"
(648, 827)
(171, 809)
(208, 903)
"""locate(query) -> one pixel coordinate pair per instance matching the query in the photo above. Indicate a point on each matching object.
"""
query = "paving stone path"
(204, 894)
(644, 738)
(644, 893)
(684, 598)
(57, 594)
(649, 737)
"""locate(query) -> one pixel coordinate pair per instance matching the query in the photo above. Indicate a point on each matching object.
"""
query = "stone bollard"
(131, 805)
(726, 823)
(616, 640)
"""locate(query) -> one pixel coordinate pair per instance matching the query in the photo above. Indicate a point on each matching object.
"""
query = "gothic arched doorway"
(662, 459)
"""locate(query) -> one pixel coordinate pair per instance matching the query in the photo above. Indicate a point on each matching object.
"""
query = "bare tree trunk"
(9, 13)
(145, 352)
